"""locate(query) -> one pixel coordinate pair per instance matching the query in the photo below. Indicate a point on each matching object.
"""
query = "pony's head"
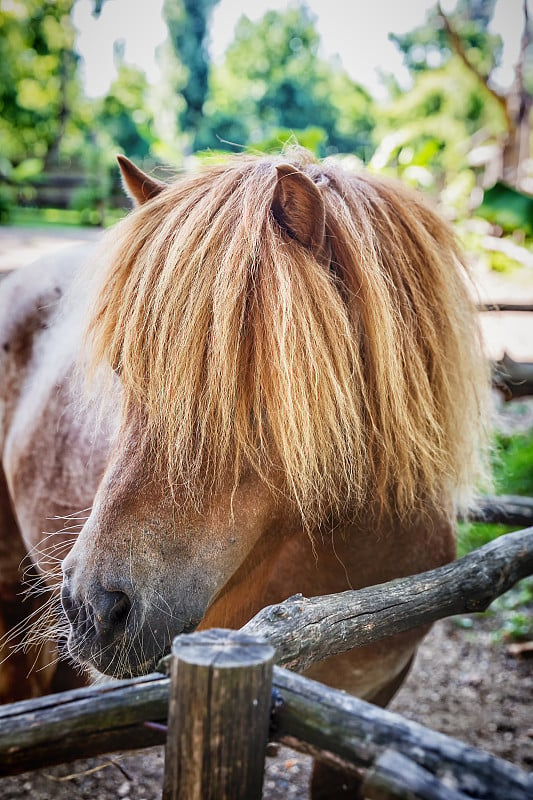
(292, 344)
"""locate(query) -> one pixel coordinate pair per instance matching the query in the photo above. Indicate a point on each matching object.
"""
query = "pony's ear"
(298, 207)
(138, 185)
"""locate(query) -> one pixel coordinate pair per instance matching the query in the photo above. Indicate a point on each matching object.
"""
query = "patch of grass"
(471, 535)
(27, 217)
(513, 464)
(44, 217)
(513, 474)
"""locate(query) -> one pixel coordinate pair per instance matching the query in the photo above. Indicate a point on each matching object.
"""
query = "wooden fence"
(59, 189)
(227, 699)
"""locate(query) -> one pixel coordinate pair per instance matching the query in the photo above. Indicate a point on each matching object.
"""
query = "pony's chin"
(96, 676)
(105, 663)
(100, 673)
(118, 659)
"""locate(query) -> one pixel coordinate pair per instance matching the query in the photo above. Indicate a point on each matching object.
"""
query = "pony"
(267, 380)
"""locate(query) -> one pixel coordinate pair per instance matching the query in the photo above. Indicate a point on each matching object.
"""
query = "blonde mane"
(354, 380)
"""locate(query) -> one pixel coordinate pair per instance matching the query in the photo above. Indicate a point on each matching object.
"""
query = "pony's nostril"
(103, 613)
(110, 609)
(121, 608)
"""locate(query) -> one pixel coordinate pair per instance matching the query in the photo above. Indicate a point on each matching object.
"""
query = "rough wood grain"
(505, 509)
(395, 776)
(310, 717)
(513, 307)
(219, 713)
(513, 378)
(307, 630)
(81, 723)
(305, 715)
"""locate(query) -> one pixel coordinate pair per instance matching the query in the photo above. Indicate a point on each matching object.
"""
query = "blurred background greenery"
(450, 131)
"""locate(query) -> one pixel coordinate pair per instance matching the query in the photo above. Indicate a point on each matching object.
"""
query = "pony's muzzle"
(102, 616)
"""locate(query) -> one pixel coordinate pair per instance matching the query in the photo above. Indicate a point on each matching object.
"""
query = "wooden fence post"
(219, 711)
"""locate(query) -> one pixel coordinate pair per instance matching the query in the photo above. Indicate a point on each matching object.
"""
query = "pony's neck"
(348, 557)
(250, 587)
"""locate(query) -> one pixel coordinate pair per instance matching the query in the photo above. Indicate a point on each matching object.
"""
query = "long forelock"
(361, 382)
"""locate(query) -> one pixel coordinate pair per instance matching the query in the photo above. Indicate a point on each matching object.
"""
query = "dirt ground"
(465, 682)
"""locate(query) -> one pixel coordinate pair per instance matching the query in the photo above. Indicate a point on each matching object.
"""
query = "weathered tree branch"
(513, 378)
(82, 723)
(393, 775)
(312, 718)
(505, 509)
(307, 630)
(506, 307)
(306, 715)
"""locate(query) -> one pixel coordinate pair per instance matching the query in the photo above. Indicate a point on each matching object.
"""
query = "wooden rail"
(513, 378)
(504, 509)
(508, 307)
(306, 715)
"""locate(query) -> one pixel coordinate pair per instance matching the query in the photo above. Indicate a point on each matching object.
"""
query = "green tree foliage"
(187, 22)
(427, 133)
(454, 107)
(273, 78)
(46, 123)
(428, 46)
(38, 83)
(124, 113)
(99, 129)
